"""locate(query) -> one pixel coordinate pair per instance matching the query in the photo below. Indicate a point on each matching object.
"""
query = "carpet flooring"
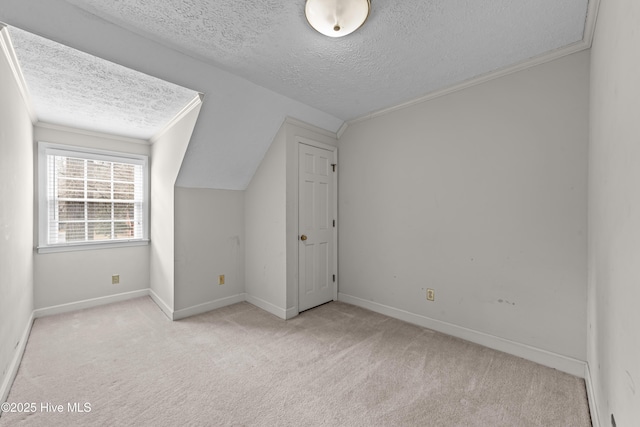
(335, 365)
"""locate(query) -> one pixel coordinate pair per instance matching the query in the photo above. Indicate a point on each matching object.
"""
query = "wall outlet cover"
(431, 295)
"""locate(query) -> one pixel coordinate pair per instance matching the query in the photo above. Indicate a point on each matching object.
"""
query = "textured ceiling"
(71, 88)
(258, 62)
(405, 50)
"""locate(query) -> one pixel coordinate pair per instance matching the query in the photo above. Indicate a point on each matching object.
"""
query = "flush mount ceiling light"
(337, 18)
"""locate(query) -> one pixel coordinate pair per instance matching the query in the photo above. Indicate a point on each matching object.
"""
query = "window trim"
(45, 149)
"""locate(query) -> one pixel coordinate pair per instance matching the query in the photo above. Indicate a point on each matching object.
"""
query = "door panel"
(315, 222)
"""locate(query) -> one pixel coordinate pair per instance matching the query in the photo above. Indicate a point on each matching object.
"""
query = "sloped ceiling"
(259, 61)
(134, 104)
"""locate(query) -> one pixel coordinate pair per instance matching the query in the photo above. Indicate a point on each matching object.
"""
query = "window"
(91, 198)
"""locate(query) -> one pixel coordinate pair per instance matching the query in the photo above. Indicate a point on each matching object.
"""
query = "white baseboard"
(547, 358)
(7, 381)
(290, 313)
(161, 304)
(591, 396)
(267, 306)
(88, 303)
(208, 306)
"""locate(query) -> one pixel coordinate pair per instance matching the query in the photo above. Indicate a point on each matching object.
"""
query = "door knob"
(303, 237)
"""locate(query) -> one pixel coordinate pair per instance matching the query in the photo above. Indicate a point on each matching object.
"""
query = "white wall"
(167, 154)
(16, 223)
(265, 230)
(70, 277)
(481, 196)
(209, 241)
(614, 213)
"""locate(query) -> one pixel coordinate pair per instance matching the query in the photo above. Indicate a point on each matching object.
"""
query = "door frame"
(334, 149)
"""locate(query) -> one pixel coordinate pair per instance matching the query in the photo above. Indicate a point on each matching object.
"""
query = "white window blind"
(91, 197)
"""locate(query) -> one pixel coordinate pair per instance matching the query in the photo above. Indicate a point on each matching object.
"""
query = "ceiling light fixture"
(337, 18)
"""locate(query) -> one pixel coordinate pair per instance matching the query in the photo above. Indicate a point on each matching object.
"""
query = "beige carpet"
(336, 365)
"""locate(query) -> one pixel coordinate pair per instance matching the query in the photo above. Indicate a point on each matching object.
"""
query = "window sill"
(90, 246)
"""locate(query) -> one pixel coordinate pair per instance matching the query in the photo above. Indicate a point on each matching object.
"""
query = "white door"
(315, 226)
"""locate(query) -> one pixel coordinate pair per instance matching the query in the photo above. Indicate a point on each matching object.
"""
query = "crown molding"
(344, 127)
(585, 43)
(92, 133)
(197, 100)
(590, 22)
(9, 52)
(310, 127)
(474, 81)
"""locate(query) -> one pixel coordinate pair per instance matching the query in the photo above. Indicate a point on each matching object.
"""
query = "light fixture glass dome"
(337, 18)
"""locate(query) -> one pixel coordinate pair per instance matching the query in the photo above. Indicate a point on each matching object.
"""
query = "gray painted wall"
(265, 230)
(167, 154)
(16, 223)
(209, 228)
(480, 195)
(614, 214)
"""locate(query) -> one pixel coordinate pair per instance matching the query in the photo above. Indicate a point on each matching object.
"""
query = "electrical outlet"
(115, 279)
(221, 279)
(431, 295)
